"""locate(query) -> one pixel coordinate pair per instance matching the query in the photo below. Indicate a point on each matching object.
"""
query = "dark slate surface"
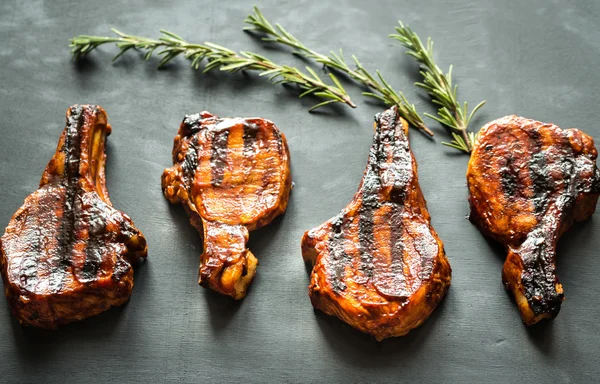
(535, 58)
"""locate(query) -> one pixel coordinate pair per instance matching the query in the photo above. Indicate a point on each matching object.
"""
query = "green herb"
(439, 87)
(170, 46)
(381, 88)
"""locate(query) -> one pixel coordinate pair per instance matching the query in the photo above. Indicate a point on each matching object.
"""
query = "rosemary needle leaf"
(313, 73)
(321, 105)
(370, 94)
(307, 92)
(336, 82)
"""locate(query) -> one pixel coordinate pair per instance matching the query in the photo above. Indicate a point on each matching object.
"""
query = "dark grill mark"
(370, 202)
(273, 159)
(191, 124)
(401, 170)
(190, 162)
(538, 276)
(396, 246)
(595, 187)
(72, 149)
(541, 182)
(121, 268)
(93, 258)
(402, 165)
(218, 158)
(28, 268)
(250, 132)
(95, 243)
(279, 143)
(339, 258)
(508, 177)
(537, 252)
(402, 162)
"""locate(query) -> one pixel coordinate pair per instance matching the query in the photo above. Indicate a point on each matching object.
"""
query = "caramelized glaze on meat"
(528, 182)
(379, 265)
(66, 254)
(232, 175)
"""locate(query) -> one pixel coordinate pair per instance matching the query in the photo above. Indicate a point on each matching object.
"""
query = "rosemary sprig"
(381, 89)
(441, 90)
(170, 46)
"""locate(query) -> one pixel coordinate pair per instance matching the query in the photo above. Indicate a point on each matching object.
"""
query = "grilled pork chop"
(66, 254)
(232, 176)
(528, 182)
(379, 265)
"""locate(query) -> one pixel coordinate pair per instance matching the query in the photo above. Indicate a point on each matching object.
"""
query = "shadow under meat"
(354, 345)
(34, 344)
(186, 234)
(221, 308)
(580, 236)
(542, 335)
(261, 237)
(496, 247)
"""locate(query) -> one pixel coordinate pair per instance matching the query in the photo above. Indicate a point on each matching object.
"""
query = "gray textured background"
(536, 59)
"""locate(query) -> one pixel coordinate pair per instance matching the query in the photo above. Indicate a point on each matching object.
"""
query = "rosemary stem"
(216, 56)
(465, 136)
(379, 87)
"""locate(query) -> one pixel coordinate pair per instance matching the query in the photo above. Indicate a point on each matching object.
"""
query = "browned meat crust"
(66, 254)
(232, 175)
(379, 265)
(528, 182)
